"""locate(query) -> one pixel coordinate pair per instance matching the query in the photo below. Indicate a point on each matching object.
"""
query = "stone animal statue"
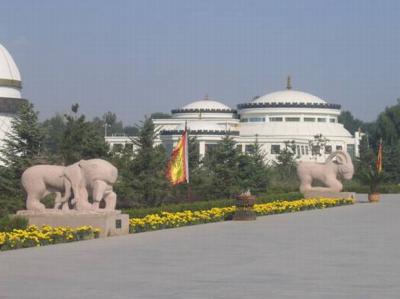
(95, 178)
(42, 180)
(337, 165)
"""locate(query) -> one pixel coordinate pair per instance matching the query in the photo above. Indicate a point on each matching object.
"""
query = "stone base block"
(329, 194)
(110, 223)
(243, 214)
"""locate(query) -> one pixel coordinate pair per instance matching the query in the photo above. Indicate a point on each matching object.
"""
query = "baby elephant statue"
(95, 178)
(338, 164)
(42, 180)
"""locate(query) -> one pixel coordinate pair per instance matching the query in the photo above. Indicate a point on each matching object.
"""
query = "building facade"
(271, 120)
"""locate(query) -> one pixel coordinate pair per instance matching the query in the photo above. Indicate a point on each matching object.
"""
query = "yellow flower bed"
(34, 236)
(170, 220)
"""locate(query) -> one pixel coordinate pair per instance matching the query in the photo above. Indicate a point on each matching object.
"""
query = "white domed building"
(291, 115)
(10, 91)
(271, 120)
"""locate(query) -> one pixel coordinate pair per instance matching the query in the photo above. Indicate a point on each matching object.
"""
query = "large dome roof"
(206, 104)
(8, 68)
(10, 78)
(289, 96)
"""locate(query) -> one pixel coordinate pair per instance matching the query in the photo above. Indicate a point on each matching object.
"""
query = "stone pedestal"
(110, 223)
(329, 194)
(244, 207)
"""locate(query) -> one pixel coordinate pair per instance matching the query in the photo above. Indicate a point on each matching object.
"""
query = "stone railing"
(288, 105)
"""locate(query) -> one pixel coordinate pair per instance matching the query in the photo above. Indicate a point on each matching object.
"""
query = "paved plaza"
(345, 252)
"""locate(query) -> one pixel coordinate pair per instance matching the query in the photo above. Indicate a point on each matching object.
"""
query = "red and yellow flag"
(379, 158)
(178, 167)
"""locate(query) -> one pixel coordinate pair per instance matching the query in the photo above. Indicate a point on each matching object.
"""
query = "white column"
(202, 149)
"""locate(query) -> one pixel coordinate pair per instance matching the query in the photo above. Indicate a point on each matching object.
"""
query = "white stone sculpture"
(93, 178)
(85, 178)
(337, 165)
(42, 180)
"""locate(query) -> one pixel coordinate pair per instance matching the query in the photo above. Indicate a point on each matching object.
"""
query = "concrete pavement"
(345, 252)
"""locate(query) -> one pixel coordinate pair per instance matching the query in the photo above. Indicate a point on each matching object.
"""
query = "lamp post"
(106, 125)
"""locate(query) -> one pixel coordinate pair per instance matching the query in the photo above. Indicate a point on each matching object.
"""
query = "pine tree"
(22, 149)
(222, 164)
(253, 171)
(81, 140)
(285, 163)
(147, 171)
(54, 129)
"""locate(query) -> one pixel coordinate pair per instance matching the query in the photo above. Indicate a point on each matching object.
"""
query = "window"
(209, 147)
(129, 146)
(306, 150)
(276, 119)
(321, 120)
(302, 150)
(249, 148)
(275, 149)
(244, 120)
(328, 149)
(339, 147)
(256, 119)
(118, 147)
(351, 150)
(309, 119)
(298, 150)
(315, 150)
(292, 119)
(332, 120)
(169, 147)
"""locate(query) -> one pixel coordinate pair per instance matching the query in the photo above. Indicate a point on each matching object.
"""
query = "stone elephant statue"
(337, 165)
(95, 178)
(42, 180)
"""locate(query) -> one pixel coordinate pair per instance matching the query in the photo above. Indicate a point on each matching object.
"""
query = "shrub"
(33, 236)
(207, 205)
(9, 223)
(169, 220)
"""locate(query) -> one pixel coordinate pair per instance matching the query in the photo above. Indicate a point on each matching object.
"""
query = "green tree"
(81, 139)
(253, 171)
(54, 129)
(285, 163)
(388, 125)
(131, 131)
(391, 162)
(222, 165)
(147, 170)
(351, 123)
(22, 149)
(108, 124)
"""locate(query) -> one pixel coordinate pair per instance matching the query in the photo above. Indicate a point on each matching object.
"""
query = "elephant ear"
(74, 174)
(341, 158)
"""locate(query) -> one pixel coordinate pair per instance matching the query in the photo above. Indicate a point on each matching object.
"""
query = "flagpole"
(189, 187)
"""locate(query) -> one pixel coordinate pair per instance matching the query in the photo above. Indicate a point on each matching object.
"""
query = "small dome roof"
(206, 104)
(8, 68)
(288, 96)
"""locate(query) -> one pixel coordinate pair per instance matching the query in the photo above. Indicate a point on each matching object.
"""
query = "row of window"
(304, 149)
(289, 119)
(301, 150)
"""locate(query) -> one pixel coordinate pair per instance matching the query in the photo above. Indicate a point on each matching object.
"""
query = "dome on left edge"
(10, 77)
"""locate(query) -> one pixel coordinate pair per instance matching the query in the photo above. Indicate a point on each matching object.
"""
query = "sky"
(138, 57)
